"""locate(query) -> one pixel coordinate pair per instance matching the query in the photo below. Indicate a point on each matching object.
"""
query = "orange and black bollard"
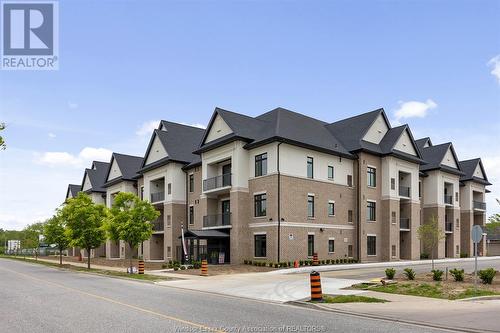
(141, 266)
(315, 259)
(295, 264)
(316, 293)
(204, 268)
(80, 257)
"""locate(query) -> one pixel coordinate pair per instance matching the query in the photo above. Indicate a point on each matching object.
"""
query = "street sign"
(477, 234)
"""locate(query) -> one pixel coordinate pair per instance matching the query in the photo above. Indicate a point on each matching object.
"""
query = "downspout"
(358, 212)
(279, 201)
(186, 215)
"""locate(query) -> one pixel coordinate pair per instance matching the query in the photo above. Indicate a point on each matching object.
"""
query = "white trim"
(371, 200)
(310, 194)
(331, 201)
(371, 166)
(259, 193)
(310, 233)
(300, 225)
(375, 235)
(331, 238)
(260, 233)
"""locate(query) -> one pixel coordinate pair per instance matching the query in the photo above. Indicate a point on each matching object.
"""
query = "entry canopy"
(205, 234)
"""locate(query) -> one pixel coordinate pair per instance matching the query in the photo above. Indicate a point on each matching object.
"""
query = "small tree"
(431, 234)
(55, 233)
(130, 220)
(84, 220)
(2, 141)
(31, 238)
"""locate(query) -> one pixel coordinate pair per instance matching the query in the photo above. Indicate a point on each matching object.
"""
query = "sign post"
(476, 235)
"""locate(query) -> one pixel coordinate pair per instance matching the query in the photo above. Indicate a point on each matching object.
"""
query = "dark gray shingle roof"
(434, 155)
(73, 189)
(421, 142)
(468, 167)
(97, 176)
(129, 167)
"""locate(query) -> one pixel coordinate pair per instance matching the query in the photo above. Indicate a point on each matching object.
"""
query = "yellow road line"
(161, 315)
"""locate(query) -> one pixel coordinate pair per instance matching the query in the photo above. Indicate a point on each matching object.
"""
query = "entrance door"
(225, 209)
(226, 175)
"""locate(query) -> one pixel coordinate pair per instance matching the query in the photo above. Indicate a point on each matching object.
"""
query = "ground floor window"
(349, 251)
(393, 251)
(310, 245)
(371, 245)
(331, 245)
(260, 245)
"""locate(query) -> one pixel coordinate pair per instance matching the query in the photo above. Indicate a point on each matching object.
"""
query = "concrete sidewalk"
(341, 267)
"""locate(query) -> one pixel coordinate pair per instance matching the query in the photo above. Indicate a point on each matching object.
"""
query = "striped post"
(141, 266)
(316, 293)
(204, 268)
(315, 259)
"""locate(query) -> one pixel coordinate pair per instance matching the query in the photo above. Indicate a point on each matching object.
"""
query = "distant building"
(13, 246)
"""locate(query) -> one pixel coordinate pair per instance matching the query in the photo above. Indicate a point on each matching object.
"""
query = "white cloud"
(495, 64)
(82, 159)
(195, 125)
(52, 135)
(147, 128)
(414, 109)
(72, 105)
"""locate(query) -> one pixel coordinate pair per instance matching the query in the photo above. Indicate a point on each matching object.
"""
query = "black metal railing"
(404, 223)
(448, 199)
(217, 182)
(404, 191)
(479, 205)
(217, 220)
(158, 224)
(158, 196)
(448, 226)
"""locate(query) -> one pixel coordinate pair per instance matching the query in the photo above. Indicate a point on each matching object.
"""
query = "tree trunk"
(60, 257)
(88, 258)
(432, 257)
(129, 245)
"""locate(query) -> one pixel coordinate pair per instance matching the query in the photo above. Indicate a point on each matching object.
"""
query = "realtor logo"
(29, 35)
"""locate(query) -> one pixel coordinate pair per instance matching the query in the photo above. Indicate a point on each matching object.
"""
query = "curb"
(319, 307)
(481, 298)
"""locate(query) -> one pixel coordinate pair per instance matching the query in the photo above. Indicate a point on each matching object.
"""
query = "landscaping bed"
(351, 299)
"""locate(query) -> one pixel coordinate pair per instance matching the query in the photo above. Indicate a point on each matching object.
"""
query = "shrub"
(437, 274)
(176, 268)
(409, 273)
(390, 272)
(250, 262)
(458, 274)
(424, 256)
(276, 265)
(310, 262)
(245, 262)
(337, 261)
(196, 264)
(164, 266)
(290, 264)
(464, 255)
(487, 275)
(301, 262)
(183, 268)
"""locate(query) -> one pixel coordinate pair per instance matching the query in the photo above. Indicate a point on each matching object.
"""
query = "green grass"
(351, 299)
(143, 277)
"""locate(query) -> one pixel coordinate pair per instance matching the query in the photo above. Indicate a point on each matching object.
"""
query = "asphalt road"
(36, 298)
(371, 273)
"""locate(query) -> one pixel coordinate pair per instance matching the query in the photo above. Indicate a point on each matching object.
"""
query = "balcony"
(479, 205)
(404, 191)
(217, 220)
(158, 196)
(158, 224)
(448, 199)
(404, 223)
(217, 182)
(448, 227)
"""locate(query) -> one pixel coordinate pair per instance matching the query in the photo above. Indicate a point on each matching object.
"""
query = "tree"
(84, 221)
(55, 233)
(130, 220)
(31, 237)
(2, 141)
(430, 234)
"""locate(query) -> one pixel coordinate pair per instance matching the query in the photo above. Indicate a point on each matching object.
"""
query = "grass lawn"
(143, 277)
(441, 290)
(351, 299)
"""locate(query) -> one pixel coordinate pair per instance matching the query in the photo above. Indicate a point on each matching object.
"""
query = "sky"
(124, 65)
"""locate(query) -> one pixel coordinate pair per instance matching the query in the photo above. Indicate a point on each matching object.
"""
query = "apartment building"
(282, 186)
(121, 176)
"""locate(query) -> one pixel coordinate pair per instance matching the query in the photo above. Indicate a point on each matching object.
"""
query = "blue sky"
(127, 64)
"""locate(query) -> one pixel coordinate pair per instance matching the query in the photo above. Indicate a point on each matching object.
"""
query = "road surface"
(37, 298)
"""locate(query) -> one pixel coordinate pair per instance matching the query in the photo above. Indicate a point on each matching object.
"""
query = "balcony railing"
(158, 224)
(479, 205)
(217, 220)
(448, 199)
(404, 223)
(217, 182)
(404, 191)
(158, 196)
(448, 226)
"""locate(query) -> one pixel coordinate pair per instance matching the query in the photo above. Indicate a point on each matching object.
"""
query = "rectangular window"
(456, 196)
(349, 180)
(371, 174)
(330, 172)
(169, 188)
(260, 204)
(457, 251)
(260, 246)
(393, 184)
(310, 167)
(331, 245)
(169, 220)
(169, 251)
(349, 216)
(371, 245)
(261, 165)
(191, 214)
(393, 217)
(310, 245)
(142, 192)
(370, 212)
(419, 189)
(191, 183)
(331, 209)
(310, 206)
(349, 251)
(393, 251)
